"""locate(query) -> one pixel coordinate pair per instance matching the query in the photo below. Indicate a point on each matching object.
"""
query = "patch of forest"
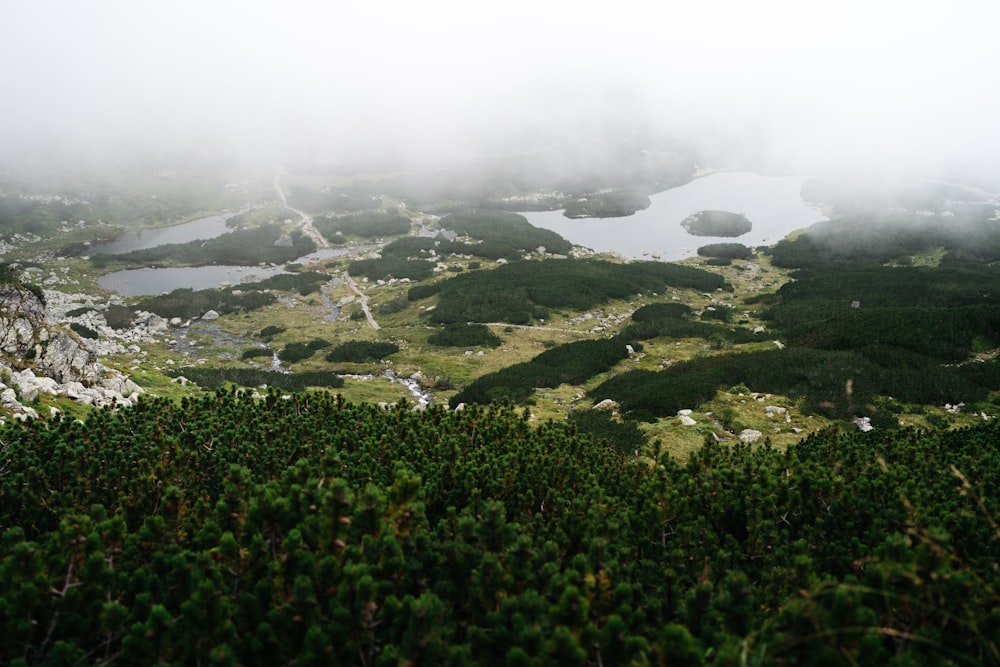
(243, 247)
(214, 378)
(879, 237)
(500, 228)
(615, 204)
(311, 530)
(385, 268)
(851, 336)
(725, 251)
(571, 363)
(366, 224)
(187, 303)
(521, 291)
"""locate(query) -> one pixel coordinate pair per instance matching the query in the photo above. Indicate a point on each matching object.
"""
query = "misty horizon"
(886, 88)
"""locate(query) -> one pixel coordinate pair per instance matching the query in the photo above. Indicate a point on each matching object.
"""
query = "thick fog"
(879, 86)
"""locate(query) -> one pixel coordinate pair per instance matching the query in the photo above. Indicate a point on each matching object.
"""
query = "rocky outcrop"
(39, 356)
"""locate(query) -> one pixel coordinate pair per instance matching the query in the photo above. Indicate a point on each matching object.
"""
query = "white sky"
(884, 83)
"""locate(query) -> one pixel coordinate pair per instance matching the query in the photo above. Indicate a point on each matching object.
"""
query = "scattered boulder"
(43, 357)
(749, 435)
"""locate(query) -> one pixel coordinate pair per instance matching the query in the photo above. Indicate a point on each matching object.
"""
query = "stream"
(419, 394)
(183, 344)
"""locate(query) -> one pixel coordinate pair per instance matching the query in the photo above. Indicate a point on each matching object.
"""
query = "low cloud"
(775, 85)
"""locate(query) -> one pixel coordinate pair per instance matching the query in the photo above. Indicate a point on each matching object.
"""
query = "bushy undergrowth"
(460, 334)
(361, 351)
(213, 378)
(306, 529)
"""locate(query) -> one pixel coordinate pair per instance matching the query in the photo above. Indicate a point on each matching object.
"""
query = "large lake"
(773, 204)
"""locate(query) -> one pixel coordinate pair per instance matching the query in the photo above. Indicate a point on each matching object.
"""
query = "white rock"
(749, 435)
(8, 398)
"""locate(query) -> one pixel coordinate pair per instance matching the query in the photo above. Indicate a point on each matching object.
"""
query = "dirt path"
(363, 298)
(307, 224)
(310, 230)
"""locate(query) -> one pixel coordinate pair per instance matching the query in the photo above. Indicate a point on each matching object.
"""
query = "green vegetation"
(271, 330)
(384, 268)
(660, 311)
(303, 282)
(213, 378)
(520, 291)
(310, 530)
(572, 363)
(502, 230)
(83, 331)
(11, 275)
(409, 247)
(361, 351)
(882, 237)
(604, 430)
(725, 251)
(297, 351)
(460, 334)
(118, 316)
(236, 528)
(187, 303)
(256, 353)
(42, 218)
(245, 247)
(716, 223)
(607, 205)
(422, 247)
(367, 224)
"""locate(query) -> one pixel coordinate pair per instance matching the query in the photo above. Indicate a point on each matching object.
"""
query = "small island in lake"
(716, 223)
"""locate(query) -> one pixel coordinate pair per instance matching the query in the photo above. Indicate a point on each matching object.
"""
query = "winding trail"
(307, 224)
(363, 298)
(310, 231)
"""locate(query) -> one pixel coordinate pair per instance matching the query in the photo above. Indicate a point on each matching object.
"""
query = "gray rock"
(749, 435)
(8, 399)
